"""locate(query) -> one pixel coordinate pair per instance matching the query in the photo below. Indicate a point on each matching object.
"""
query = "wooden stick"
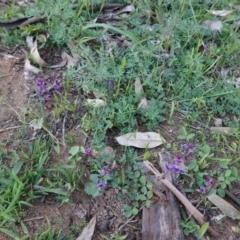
(194, 212)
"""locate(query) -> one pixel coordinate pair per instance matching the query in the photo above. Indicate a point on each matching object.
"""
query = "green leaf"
(149, 194)
(134, 211)
(10, 233)
(57, 148)
(144, 190)
(221, 192)
(137, 174)
(94, 178)
(17, 167)
(190, 136)
(149, 185)
(228, 173)
(203, 229)
(148, 203)
(74, 150)
(234, 171)
(141, 197)
(91, 189)
(231, 179)
(143, 180)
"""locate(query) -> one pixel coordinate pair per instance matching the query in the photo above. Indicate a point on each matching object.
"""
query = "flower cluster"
(111, 84)
(178, 167)
(43, 91)
(189, 150)
(103, 178)
(208, 181)
(88, 151)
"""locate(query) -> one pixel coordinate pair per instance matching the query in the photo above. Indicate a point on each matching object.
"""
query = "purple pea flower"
(43, 101)
(102, 184)
(202, 190)
(169, 167)
(208, 181)
(177, 169)
(111, 84)
(105, 171)
(88, 151)
(178, 160)
(58, 86)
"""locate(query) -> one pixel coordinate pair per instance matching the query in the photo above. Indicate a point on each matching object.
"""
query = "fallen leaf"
(221, 13)
(218, 122)
(224, 206)
(36, 124)
(141, 139)
(218, 218)
(127, 9)
(96, 102)
(214, 25)
(88, 231)
(138, 85)
(144, 103)
(31, 68)
(222, 130)
(138, 89)
(34, 52)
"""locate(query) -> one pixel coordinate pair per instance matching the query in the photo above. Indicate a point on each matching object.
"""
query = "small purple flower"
(190, 152)
(177, 169)
(49, 96)
(202, 190)
(208, 181)
(205, 47)
(105, 171)
(169, 167)
(102, 184)
(188, 146)
(88, 151)
(178, 160)
(41, 83)
(111, 84)
(43, 101)
(58, 87)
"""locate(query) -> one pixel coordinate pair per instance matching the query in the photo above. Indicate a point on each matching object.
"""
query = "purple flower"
(178, 160)
(43, 101)
(111, 84)
(177, 169)
(190, 152)
(188, 146)
(208, 181)
(41, 83)
(169, 167)
(205, 47)
(58, 87)
(102, 184)
(105, 171)
(88, 151)
(203, 190)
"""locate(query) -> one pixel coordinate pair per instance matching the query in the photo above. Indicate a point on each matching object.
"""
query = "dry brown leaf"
(214, 25)
(141, 139)
(224, 206)
(88, 231)
(221, 13)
